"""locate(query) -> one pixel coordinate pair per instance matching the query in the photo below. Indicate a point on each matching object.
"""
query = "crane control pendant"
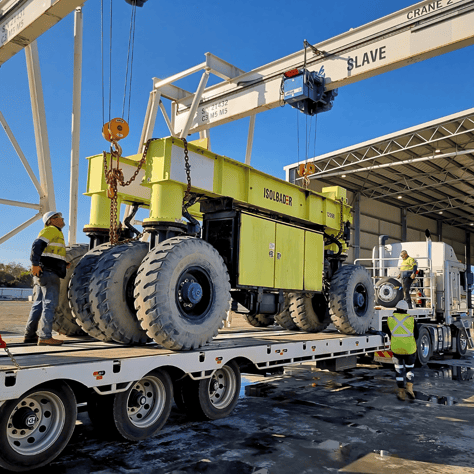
(115, 130)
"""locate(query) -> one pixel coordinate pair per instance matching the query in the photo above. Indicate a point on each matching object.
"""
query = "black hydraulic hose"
(335, 241)
(129, 218)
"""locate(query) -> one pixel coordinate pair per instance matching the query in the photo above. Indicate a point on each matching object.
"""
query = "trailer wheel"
(388, 292)
(424, 348)
(78, 293)
(111, 293)
(461, 344)
(259, 320)
(64, 322)
(310, 313)
(142, 410)
(35, 428)
(182, 293)
(215, 397)
(351, 300)
(284, 318)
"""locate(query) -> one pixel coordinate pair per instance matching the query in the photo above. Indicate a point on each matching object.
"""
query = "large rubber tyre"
(351, 300)
(111, 293)
(259, 320)
(212, 398)
(284, 318)
(461, 344)
(79, 289)
(64, 321)
(175, 273)
(388, 292)
(310, 314)
(35, 428)
(424, 347)
(142, 410)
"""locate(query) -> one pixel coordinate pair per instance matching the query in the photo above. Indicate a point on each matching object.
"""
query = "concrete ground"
(305, 420)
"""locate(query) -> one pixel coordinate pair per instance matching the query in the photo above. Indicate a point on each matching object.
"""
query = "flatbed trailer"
(131, 389)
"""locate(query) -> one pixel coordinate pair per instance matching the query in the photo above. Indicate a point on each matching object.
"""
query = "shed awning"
(427, 169)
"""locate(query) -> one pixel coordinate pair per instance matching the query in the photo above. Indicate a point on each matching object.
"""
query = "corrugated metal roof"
(427, 169)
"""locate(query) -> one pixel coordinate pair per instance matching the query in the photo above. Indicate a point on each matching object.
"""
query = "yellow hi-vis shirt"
(408, 264)
(56, 247)
(402, 327)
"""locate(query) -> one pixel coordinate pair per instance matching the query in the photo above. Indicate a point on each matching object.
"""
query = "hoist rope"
(110, 63)
(102, 55)
(131, 43)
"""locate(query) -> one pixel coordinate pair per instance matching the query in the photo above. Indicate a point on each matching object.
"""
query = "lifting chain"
(3, 345)
(341, 231)
(187, 167)
(114, 177)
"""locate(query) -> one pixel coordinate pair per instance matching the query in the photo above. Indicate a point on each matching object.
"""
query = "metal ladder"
(467, 331)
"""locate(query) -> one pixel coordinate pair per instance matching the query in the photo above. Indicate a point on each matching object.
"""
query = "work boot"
(49, 342)
(410, 392)
(401, 394)
(30, 340)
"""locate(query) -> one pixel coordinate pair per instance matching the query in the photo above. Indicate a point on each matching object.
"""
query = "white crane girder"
(426, 29)
(22, 21)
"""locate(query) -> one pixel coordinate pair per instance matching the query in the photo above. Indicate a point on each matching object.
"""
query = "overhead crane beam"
(421, 31)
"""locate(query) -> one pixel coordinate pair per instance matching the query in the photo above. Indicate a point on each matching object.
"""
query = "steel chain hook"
(114, 177)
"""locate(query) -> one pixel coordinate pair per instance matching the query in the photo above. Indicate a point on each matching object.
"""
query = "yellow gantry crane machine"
(275, 248)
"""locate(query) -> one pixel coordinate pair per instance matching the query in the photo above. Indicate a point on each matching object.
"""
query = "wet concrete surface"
(305, 420)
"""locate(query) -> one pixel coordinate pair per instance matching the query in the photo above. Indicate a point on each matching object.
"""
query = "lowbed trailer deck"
(109, 367)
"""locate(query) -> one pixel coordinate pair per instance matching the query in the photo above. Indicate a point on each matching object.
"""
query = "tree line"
(15, 275)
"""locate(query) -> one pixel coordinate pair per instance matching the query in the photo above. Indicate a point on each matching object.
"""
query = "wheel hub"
(191, 292)
(24, 418)
(194, 293)
(214, 385)
(359, 299)
(137, 399)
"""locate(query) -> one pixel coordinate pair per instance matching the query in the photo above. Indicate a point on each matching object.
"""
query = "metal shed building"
(403, 183)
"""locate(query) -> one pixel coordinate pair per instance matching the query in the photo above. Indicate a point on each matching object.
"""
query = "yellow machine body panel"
(256, 252)
(313, 261)
(272, 255)
(289, 257)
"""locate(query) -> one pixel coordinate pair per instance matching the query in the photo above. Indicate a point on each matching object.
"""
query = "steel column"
(356, 210)
(404, 224)
(195, 104)
(468, 268)
(47, 199)
(76, 126)
(248, 153)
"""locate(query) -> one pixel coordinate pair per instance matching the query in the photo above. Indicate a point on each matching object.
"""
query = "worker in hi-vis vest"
(48, 259)
(407, 274)
(403, 333)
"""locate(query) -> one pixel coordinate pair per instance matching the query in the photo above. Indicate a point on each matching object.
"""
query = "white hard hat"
(402, 305)
(47, 216)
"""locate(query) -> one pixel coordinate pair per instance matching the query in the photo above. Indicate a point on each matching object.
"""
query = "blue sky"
(173, 36)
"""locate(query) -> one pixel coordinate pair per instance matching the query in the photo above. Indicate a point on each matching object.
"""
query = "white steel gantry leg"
(76, 126)
(248, 153)
(195, 103)
(150, 118)
(206, 134)
(47, 199)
